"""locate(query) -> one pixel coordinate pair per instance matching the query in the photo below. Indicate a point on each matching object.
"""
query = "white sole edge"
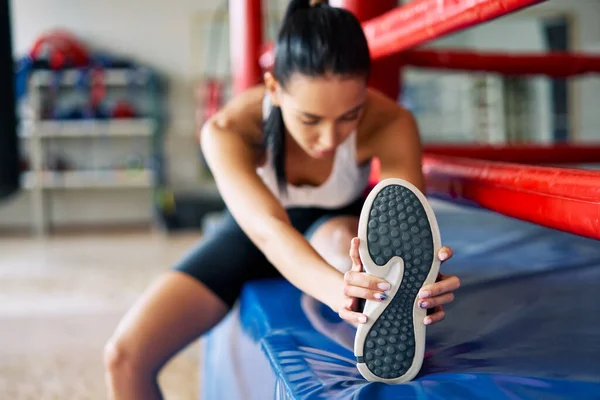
(392, 272)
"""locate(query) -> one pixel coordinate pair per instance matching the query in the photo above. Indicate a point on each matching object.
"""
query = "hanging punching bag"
(9, 157)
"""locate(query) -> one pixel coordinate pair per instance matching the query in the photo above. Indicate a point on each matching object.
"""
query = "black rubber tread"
(398, 226)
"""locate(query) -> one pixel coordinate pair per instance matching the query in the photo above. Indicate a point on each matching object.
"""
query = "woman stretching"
(291, 159)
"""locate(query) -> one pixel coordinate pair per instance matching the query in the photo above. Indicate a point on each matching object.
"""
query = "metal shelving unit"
(38, 131)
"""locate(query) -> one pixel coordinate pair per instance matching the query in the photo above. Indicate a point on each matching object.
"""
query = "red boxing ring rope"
(522, 154)
(556, 64)
(564, 199)
(421, 21)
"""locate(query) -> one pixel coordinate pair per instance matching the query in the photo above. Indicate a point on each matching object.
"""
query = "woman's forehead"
(325, 95)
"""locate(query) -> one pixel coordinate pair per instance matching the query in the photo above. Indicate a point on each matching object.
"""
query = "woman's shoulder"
(243, 115)
(245, 108)
(380, 112)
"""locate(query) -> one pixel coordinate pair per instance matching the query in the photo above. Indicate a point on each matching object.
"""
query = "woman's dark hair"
(314, 41)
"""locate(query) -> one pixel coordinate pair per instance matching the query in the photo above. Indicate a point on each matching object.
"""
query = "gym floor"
(60, 300)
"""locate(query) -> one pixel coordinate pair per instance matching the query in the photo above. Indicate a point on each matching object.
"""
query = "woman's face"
(320, 112)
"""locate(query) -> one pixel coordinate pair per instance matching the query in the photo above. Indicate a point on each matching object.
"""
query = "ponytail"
(296, 5)
(274, 140)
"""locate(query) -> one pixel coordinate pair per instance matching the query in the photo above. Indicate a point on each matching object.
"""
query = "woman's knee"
(173, 311)
(336, 232)
(332, 241)
(124, 360)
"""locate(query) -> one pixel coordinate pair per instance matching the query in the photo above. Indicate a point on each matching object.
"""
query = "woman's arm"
(394, 140)
(227, 143)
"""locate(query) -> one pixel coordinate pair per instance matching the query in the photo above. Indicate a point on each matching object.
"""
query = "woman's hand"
(433, 296)
(360, 285)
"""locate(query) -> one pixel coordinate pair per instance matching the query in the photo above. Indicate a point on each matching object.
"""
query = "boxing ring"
(524, 223)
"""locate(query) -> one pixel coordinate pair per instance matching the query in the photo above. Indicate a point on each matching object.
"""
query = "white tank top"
(345, 184)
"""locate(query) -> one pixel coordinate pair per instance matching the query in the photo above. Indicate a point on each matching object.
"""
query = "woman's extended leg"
(178, 308)
(173, 312)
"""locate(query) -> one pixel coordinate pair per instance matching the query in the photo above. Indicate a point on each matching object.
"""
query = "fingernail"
(424, 294)
(362, 319)
(380, 296)
(384, 286)
(427, 321)
(443, 256)
(423, 304)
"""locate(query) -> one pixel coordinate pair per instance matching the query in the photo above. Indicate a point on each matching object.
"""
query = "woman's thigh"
(225, 261)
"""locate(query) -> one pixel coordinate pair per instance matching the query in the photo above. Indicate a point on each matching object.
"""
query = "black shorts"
(226, 258)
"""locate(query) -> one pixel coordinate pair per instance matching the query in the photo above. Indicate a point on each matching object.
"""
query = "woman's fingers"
(445, 253)
(366, 281)
(349, 314)
(363, 293)
(358, 284)
(352, 316)
(436, 316)
(445, 285)
(355, 256)
(437, 301)
(355, 277)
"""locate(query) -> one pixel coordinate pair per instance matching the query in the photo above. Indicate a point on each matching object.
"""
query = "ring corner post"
(245, 41)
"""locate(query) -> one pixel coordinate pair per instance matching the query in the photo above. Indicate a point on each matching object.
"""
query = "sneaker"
(399, 242)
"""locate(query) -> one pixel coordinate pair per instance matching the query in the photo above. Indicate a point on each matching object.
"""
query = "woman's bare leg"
(177, 309)
(172, 313)
(332, 241)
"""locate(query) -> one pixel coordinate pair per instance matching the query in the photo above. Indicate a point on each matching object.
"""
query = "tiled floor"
(60, 300)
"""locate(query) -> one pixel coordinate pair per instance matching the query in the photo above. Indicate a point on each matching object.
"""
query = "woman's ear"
(273, 88)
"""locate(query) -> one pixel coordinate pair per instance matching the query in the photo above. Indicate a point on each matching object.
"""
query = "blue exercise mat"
(524, 325)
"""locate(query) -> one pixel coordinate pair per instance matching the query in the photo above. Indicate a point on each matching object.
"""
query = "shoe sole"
(399, 242)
